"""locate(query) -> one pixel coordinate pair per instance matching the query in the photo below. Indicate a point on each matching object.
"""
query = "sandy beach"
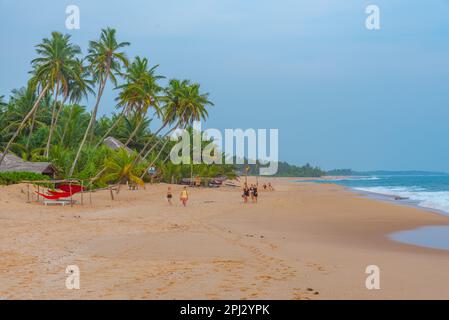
(301, 241)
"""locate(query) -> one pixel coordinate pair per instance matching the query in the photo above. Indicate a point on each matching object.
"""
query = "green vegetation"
(45, 121)
(285, 170)
(341, 172)
(7, 178)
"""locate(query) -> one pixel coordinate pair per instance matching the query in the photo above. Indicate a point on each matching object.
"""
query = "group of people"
(184, 197)
(250, 192)
(268, 187)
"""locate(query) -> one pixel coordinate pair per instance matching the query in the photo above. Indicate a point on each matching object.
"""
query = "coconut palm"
(133, 126)
(120, 168)
(184, 105)
(57, 61)
(105, 63)
(79, 88)
(73, 121)
(46, 74)
(21, 102)
(138, 94)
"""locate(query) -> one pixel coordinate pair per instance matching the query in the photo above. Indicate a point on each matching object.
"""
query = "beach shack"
(12, 163)
(115, 144)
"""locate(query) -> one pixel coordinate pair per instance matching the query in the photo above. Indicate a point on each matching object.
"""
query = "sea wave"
(368, 178)
(437, 200)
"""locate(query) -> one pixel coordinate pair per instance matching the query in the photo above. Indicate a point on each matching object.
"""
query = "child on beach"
(169, 195)
(184, 196)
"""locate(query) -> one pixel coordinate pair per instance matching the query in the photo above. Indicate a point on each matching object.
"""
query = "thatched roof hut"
(115, 144)
(12, 163)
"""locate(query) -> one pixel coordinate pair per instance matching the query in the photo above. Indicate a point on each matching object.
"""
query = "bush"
(7, 178)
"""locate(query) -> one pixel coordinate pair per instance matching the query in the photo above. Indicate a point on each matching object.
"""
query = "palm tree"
(120, 168)
(57, 62)
(41, 81)
(172, 111)
(184, 103)
(138, 94)
(73, 120)
(106, 62)
(135, 127)
(21, 102)
(78, 87)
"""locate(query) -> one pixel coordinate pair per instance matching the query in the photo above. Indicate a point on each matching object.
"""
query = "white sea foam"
(353, 179)
(438, 200)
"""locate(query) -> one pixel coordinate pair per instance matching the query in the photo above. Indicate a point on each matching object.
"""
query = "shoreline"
(302, 241)
(390, 198)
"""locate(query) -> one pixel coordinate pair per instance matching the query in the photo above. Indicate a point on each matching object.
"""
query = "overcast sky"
(340, 95)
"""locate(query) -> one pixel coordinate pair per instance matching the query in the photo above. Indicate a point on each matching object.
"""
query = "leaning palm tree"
(189, 106)
(120, 168)
(78, 87)
(137, 95)
(105, 61)
(21, 102)
(57, 58)
(172, 112)
(44, 79)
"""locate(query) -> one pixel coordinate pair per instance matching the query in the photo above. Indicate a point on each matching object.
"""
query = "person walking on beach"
(184, 196)
(254, 194)
(245, 193)
(169, 195)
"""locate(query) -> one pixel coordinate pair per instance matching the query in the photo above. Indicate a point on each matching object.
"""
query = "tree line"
(45, 121)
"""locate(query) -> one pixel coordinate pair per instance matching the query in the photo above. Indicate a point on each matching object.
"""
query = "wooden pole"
(82, 190)
(38, 191)
(71, 193)
(28, 193)
(112, 195)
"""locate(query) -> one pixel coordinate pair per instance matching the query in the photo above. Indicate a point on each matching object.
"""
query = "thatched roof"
(115, 144)
(12, 163)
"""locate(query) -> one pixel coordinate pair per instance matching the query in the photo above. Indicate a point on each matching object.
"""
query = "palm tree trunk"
(27, 117)
(154, 161)
(89, 127)
(53, 121)
(131, 136)
(66, 126)
(156, 133)
(150, 140)
(31, 131)
(155, 145)
(91, 130)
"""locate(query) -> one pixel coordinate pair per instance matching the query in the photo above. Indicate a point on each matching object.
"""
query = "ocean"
(430, 191)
